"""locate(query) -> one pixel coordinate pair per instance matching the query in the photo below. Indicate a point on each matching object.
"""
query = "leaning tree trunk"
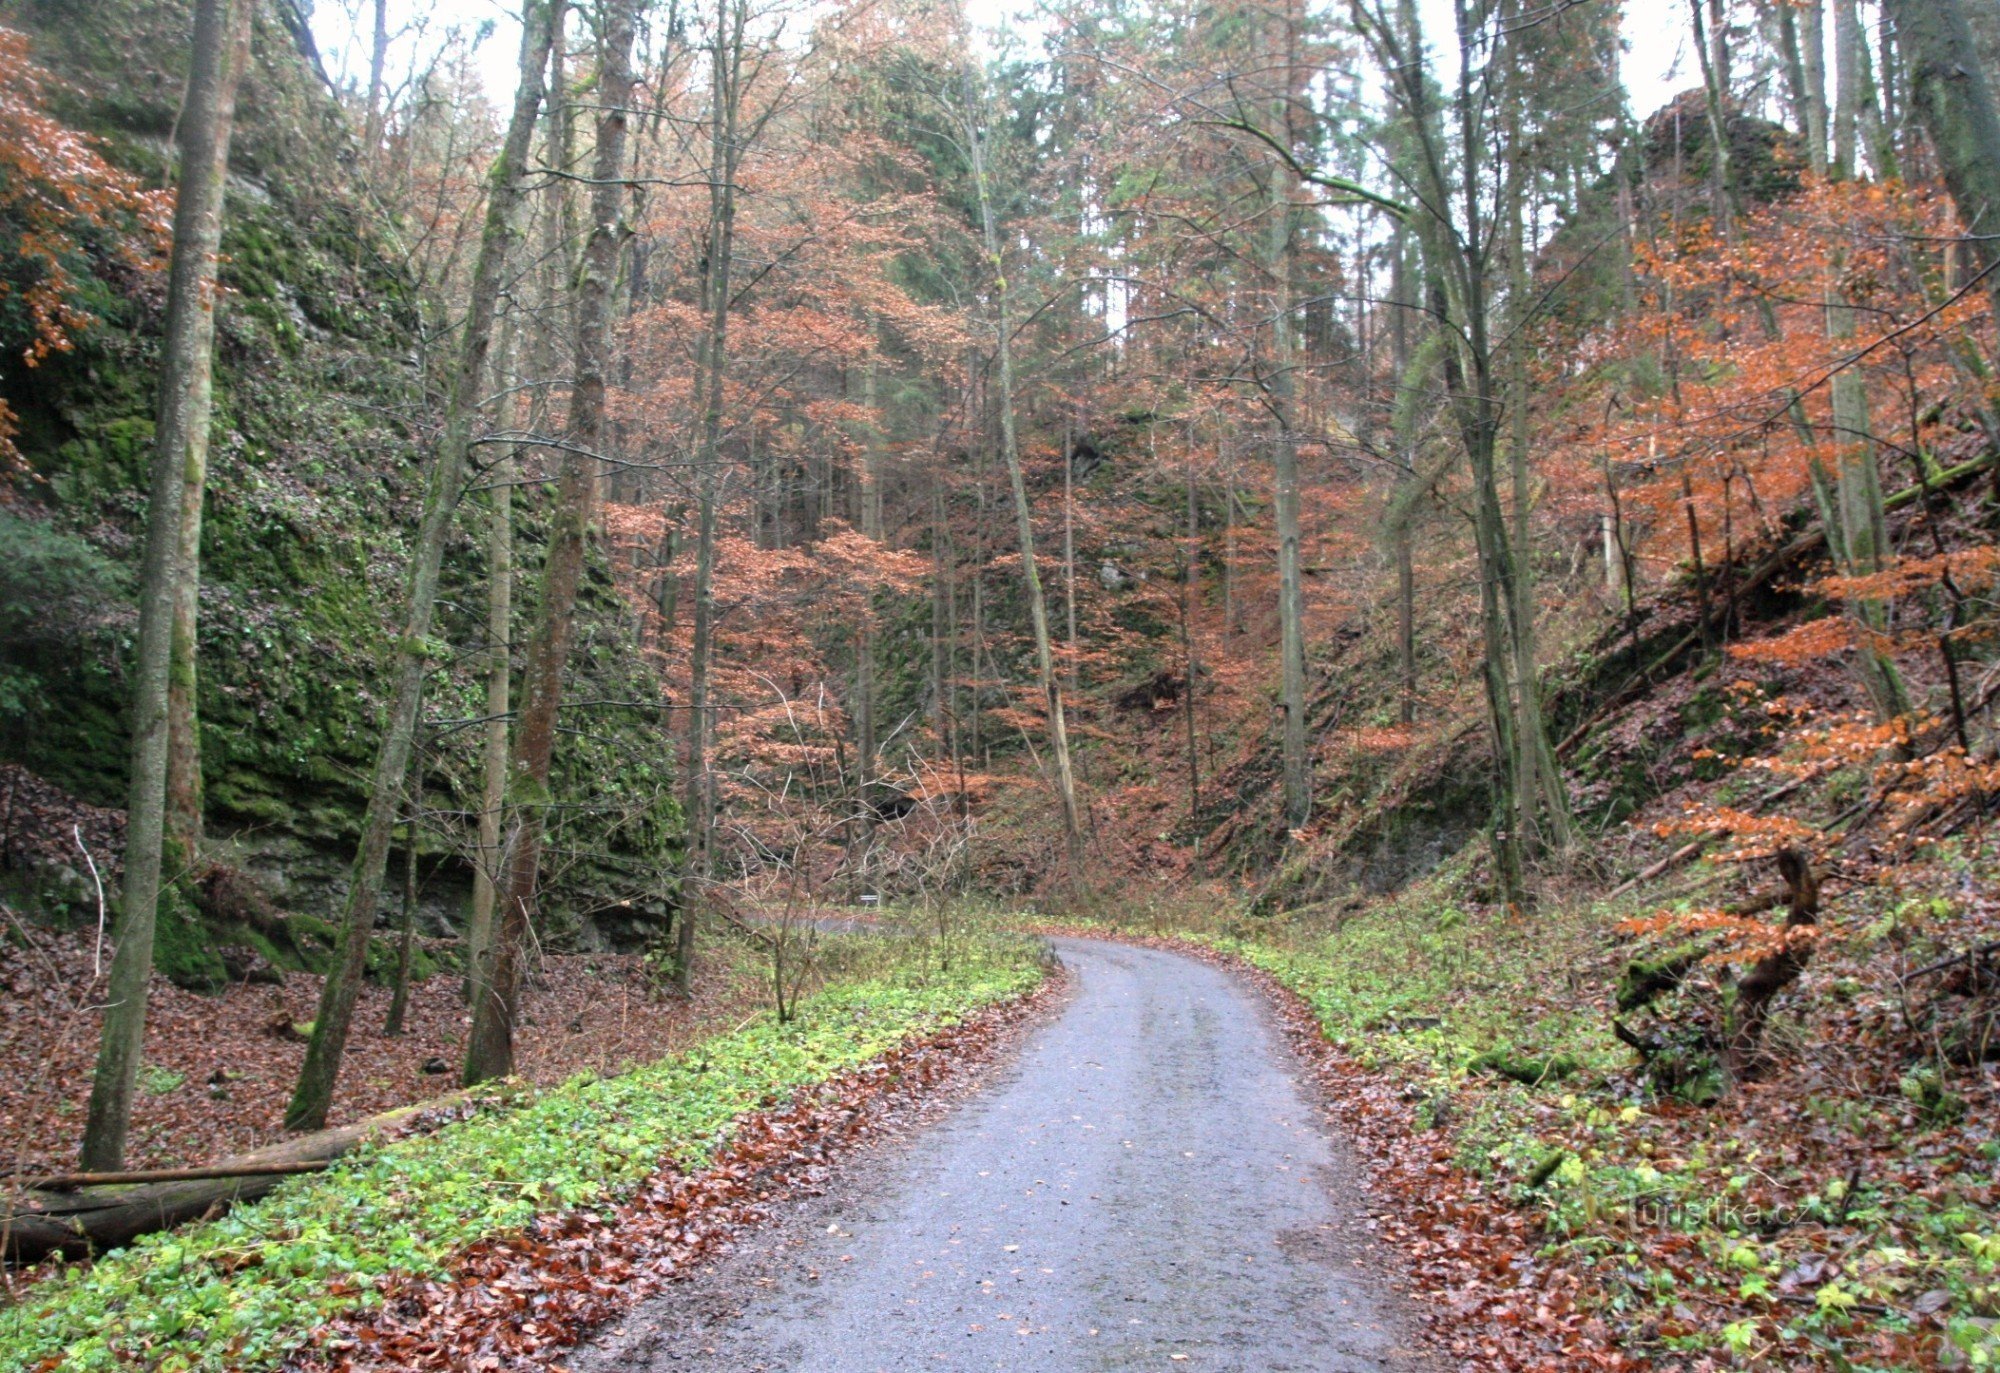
(490, 1048)
(444, 483)
(1031, 577)
(85, 1220)
(180, 449)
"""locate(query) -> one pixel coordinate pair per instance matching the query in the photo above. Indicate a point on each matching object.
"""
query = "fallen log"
(69, 1182)
(35, 1223)
(1679, 855)
(1778, 561)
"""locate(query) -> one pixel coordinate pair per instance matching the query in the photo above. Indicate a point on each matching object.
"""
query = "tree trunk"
(1069, 552)
(1403, 410)
(220, 51)
(726, 69)
(406, 943)
(943, 651)
(378, 59)
(1791, 61)
(499, 673)
(184, 789)
(1295, 756)
(1038, 610)
(861, 812)
(1775, 971)
(1297, 762)
(444, 482)
(490, 1046)
(79, 1223)
(1190, 586)
(1856, 522)
(871, 528)
(1856, 519)
(1847, 87)
(1953, 90)
(1813, 39)
(1546, 802)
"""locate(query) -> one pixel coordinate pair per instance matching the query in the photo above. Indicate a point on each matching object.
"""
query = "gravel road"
(1145, 1185)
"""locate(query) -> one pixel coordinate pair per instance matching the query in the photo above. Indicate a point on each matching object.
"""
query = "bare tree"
(444, 483)
(490, 1048)
(969, 113)
(180, 463)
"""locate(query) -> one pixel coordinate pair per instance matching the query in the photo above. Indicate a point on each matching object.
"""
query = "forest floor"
(218, 1069)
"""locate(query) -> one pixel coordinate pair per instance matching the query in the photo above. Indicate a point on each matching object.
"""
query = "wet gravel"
(1146, 1185)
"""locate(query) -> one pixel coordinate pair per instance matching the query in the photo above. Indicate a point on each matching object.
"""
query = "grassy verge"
(241, 1292)
(1826, 1217)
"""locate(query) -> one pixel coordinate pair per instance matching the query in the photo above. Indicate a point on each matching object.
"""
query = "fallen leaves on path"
(518, 1301)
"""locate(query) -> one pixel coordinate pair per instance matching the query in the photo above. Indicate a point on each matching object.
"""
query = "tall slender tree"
(725, 155)
(971, 117)
(219, 52)
(496, 1007)
(444, 482)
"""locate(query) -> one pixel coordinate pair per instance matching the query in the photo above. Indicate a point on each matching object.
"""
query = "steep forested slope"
(325, 377)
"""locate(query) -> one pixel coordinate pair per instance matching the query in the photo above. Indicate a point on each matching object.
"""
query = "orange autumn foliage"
(61, 204)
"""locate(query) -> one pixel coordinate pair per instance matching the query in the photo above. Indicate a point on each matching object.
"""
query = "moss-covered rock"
(314, 489)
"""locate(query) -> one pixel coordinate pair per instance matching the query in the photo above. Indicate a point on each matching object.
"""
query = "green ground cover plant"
(1804, 1222)
(240, 1292)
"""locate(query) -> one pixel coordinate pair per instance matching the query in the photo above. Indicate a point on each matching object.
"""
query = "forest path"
(1147, 1185)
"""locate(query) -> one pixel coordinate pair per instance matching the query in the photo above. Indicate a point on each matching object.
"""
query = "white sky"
(1658, 65)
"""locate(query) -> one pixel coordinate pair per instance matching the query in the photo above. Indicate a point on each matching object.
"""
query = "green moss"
(1648, 977)
(183, 951)
(1530, 1070)
(314, 480)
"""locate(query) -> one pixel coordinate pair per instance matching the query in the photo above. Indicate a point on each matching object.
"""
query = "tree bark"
(184, 789)
(1847, 88)
(1069, 552)
(1774, 972)
(444, 482)
(378, 60)
(1296, 759)
(180, 446)
(406, 942)
(499, 679)
(1953, 90)
(1190, 586)
(1812, 39)
(490, 1046)
(1854, 514)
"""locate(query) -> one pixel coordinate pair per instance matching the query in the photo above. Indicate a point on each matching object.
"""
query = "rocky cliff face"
(324, 397)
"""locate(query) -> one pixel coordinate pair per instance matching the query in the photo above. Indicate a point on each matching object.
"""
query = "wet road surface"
(1147, 1185)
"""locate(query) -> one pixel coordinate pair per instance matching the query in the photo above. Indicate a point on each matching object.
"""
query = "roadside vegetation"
(244, 1291)
(1839, 1211)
